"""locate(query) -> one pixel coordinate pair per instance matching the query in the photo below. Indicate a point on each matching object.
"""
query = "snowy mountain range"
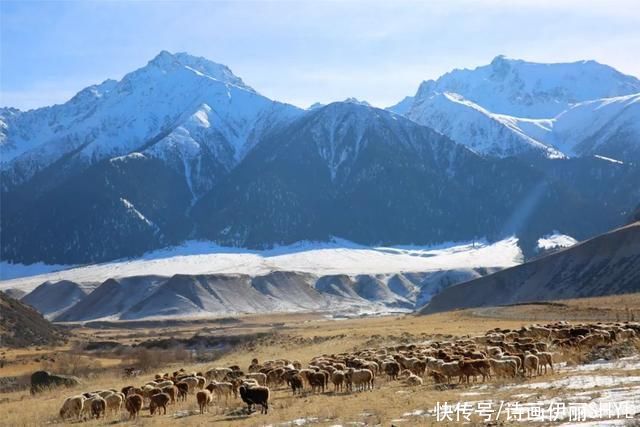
(197, 279)
(513, 107)
(184, 149)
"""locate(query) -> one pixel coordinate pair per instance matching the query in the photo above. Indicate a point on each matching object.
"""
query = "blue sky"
(302, 51)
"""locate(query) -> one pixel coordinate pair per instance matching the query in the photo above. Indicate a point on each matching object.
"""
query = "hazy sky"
(302, 51)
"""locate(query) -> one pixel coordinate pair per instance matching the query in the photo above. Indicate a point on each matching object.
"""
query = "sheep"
(504, 368)
(419, 367)
(202, 381)
(164, 384)
(391, 368)
(274, 377)
(258, 395)
(448, 369)
(159, 401)
(515, 360)
(296, 383)
(98, 406)
(192, 382)
(182, 391)
(217, 374)
(114, 402)
(317, 380)
(337, 378)
(204, 398)
(221, 389)
(260, 378)
(410, 378)
(545, 359)
(473, 367)
(362, 378)
(104, 393)
(135, 390)
(494, 351)
(133, 404)
(530, 364)
(172, 391)
(72, 407)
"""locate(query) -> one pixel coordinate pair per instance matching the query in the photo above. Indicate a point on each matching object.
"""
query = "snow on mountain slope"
(555, 240)
(338, 257)
(608, 127)
(484, 132)
(52, 299)
(176, 97)
(532, 90)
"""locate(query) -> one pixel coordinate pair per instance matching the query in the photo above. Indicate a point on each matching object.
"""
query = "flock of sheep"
(526, 352)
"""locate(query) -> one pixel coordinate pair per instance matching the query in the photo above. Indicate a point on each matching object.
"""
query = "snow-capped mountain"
(183, 149)
(185, 110)
(607, 127)
(484, 132)
(514, 108)
(532, 90)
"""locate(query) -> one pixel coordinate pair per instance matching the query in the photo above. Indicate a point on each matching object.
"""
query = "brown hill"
(605, 265)
(22, 326)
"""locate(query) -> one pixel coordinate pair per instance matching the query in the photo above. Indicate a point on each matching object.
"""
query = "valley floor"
(303, 336)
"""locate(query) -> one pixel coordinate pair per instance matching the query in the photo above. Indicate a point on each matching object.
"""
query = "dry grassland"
(302, 336)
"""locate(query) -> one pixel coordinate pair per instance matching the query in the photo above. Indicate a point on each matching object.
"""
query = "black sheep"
(256, 395)
(296, 383)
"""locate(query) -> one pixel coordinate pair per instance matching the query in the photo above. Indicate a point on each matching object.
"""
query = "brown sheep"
(545, 359)
(221, 389)
(337, 378)
(133, 404)
(473, 367)
(317, 380)
(159, 401)
(362, 378)
(172, 391)
(204, 398)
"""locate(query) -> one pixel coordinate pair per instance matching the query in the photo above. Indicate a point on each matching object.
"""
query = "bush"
(147, 359)
(71, 363)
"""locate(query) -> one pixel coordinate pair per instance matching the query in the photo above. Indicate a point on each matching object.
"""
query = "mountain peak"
(530, 89)
(167, 61)
(352, 100)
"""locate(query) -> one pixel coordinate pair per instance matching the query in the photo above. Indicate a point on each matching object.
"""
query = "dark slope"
(605, 265)
(23, 326)
(374, 177)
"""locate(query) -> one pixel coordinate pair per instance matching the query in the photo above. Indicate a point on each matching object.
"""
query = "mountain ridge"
(183, 149)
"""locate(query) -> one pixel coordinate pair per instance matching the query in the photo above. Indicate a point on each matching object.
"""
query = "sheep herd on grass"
(500, 353)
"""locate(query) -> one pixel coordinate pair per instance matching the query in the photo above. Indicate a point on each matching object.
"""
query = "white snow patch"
(582, 382)
(137, 213)
(335, 257)
(608, 159)
(555, 240)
